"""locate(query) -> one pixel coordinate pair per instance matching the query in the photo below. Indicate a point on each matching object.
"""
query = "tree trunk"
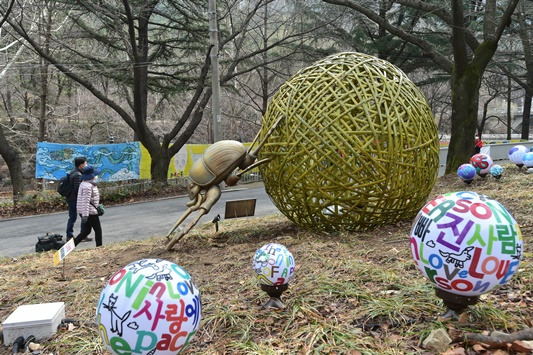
(465, 96)
(509, 115)
(159, 165)
(45, 23)
(13, 161)
(43, 101)
(526, 116)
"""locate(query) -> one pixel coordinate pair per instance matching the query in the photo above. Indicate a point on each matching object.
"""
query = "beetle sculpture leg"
(194, 205)
(211, 197)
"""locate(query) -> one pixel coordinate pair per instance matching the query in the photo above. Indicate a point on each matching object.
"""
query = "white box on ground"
(40, 320)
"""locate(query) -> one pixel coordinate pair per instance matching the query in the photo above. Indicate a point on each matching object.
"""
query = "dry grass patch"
(351, 291)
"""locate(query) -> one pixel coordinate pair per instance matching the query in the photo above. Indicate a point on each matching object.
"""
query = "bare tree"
(469, 55)
(525, 17)
(7, 151)
(154, 49)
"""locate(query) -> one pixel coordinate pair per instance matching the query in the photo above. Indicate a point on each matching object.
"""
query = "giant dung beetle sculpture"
(217, 164)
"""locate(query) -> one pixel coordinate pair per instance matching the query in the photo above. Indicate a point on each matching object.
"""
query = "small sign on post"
(64, 251)
(240, 208)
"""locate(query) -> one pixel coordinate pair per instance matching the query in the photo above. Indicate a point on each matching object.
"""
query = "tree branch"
(85, 83)
(429, 48)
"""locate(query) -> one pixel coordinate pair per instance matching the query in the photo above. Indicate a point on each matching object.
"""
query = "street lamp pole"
(215, 76)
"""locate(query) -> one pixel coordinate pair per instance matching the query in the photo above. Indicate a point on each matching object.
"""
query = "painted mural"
(122, 161)
(116, 161)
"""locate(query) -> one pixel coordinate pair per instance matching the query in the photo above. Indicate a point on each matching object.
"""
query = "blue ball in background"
(527, 159)
(496, 171)
(467, 173)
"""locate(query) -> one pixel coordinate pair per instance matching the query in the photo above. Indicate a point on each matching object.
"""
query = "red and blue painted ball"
(482, 162)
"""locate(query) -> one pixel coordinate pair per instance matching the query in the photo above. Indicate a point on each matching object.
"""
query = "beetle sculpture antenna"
(217, 164)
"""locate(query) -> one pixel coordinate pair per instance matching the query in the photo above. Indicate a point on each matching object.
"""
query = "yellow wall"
(180, 163)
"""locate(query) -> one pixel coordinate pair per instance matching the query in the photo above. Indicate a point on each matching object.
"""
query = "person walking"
(88, 199)
(72, 198)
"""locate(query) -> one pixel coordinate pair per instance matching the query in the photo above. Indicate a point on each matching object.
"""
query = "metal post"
(215, 76)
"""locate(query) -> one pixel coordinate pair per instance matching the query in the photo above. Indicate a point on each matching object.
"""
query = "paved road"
(120, 223)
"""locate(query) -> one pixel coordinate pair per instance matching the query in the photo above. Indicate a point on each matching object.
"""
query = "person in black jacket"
(75, 180)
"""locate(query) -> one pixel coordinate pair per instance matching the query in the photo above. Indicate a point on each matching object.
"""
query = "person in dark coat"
(75, 180)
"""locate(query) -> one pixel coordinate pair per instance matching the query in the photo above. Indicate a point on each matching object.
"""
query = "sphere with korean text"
(466, 172)
(496, 171)
(150, 306)
(273, 264)
(527, 160)
(466, 243)
(482, 162)
(516, 154)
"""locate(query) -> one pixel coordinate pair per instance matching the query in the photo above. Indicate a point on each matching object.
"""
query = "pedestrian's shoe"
(87, 239)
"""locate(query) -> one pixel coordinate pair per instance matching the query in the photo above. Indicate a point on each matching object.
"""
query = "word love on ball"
(466, 243)
(273, 264)
(150, 306)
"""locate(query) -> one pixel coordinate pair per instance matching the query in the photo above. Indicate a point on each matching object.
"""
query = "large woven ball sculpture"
(356, 146)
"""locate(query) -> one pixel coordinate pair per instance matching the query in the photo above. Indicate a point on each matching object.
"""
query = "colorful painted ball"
(150, 306)
(516, 154)
(466, 172)
(482, 162)
(273, 264)
(527, 159)
(466, 243)
(496, 171)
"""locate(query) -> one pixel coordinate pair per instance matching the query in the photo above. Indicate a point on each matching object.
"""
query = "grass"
(352, 292)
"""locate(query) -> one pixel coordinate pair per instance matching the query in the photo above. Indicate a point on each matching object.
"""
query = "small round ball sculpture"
(496, 171)
(516, 154)
(150, 306)
(482, 162)
(274, 266)
(354, 145)
(466, 172)
(466, 243)
(527, 160)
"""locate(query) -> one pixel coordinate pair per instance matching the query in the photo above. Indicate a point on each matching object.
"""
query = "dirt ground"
(353, 293)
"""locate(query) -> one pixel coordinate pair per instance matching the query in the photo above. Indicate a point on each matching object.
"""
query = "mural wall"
(121, 161)
(116, 161)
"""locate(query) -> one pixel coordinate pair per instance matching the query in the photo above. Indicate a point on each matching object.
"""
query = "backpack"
(49, 242)
(65, 185)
